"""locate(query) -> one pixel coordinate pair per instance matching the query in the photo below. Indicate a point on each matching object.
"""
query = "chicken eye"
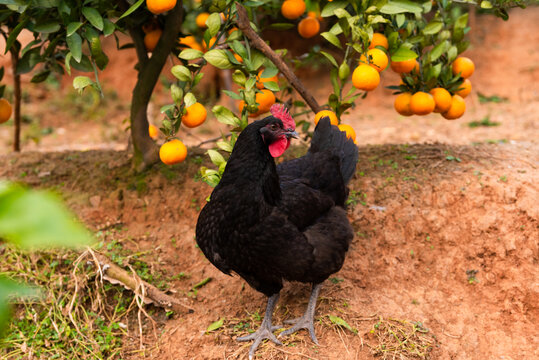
(273, 127)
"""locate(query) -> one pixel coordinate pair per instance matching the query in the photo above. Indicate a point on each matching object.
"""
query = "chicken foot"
(266, 328)
(307, 320)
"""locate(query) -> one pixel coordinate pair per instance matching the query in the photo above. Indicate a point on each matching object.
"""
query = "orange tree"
(361, 40)
(420, 40)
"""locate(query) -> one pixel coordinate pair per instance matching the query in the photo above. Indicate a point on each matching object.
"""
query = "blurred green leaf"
(93, 16)
(215, 325)
(37, 219)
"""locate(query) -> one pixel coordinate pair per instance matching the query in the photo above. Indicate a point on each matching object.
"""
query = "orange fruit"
(240, 59)
(402, 104)
(442, 99)
(404, 66)
(350, 132)
(201, 19)
(465, 88)
(196, 114)
(5, 110)
(422, 103)
(260, 81)
(151, 39)
(293, 9)
(464, 66)
(308, 27)
(330, 114)
(265, 98)
(153, 131)
(160, 6)
(379, 39)
(172, 152)
(211, 43)
(365, 77)
(191, 42)
(378, 59)
(458, 107)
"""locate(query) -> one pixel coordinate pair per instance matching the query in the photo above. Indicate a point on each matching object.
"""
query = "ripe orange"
(240, 59)
(265, 98)
(422, 103)
(196, 114)
(153, 131)
(210, 44)
(308, 27)
(293, 9)
(365, 77)
(201, 19)
(172, 152)
(151, 39)
(379, 39)
(464, 66)
(405, 66)
(378, 59)
(260, 81)
(458, 107)
(330, 114)
(402, 104)
(160, 6)
(191, 42)
(350, 132)
(465, 88)
(5, 110)
(442, 98)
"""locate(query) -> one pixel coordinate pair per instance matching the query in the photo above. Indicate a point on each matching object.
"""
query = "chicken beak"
(291, 134)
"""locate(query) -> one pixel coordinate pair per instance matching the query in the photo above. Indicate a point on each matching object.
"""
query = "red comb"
(281, 112)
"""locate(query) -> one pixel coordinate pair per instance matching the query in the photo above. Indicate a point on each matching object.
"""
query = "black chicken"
(272, 223)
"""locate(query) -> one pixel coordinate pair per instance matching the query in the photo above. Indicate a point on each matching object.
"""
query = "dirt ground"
(445, 215)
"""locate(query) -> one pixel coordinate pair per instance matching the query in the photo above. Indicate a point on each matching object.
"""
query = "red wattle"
(278, 147)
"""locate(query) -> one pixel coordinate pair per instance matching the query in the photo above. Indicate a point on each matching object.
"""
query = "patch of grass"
(471, 276)
(493, 98)
(400, 339)
(77, 316)
(485, 122)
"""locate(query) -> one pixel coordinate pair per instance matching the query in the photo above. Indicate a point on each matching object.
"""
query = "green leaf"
(74, 42)
(190, 54)
(433, 27)
(438, 51)
(216, 158)
(281, 26)
(344, 71)
(225, 116)
(28, 61)
(37, 219)
(133, 7)
(269, 71)
(329, 9)
(72, 27)
(225, 145)
(47, 27)
(486, 4)
(189, 99)
(93, 16)
(214, 24)
(80, 82)
(10, 289)
(109, 27)
(330, 58)
(40, 76)
(271, 85)
(215, 325)
(403, 54)
(400, 6)
(340, 322)
(177, 93)
(332, 38)
(452, 53)
(232, 94)
(15, 33)
(218, 58)
(181, 72)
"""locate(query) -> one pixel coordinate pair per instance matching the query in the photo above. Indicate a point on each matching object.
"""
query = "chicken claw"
(307, 320)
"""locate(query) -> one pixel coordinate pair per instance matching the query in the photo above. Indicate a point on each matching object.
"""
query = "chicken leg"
(307, 320)
(266, 328)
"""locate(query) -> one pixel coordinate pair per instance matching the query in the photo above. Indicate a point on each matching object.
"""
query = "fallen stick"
(131, 281)
(245, 26)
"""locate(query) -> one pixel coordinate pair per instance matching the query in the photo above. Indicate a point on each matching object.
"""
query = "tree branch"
(245, 26)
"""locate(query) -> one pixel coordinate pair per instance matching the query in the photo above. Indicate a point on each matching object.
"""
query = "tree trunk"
(149, 69)
(17, 99)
